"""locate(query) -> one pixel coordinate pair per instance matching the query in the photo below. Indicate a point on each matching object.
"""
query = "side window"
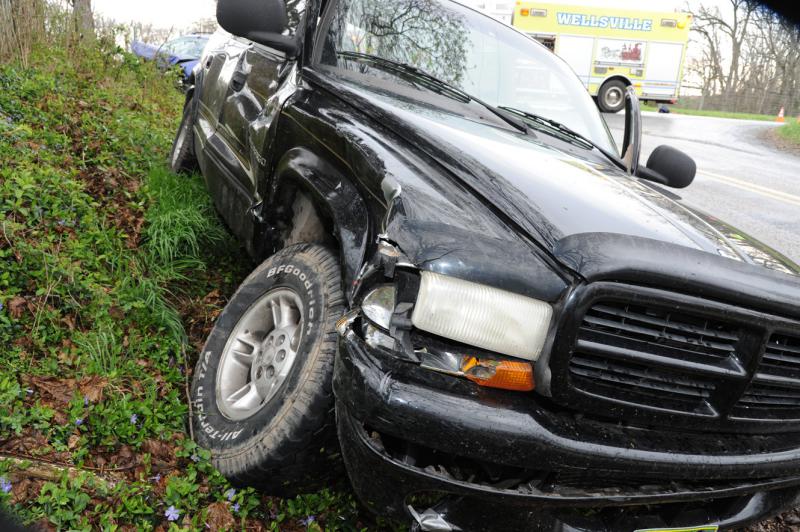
(423, 33)
(295, 9)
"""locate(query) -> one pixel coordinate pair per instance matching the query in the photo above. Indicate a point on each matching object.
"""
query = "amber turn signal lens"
(524, 12)
(504, 374)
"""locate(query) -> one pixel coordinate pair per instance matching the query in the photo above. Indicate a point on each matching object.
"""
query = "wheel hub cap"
(613, 97)
(259, 354)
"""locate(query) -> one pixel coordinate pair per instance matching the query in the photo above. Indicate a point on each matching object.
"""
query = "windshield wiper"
(431, 82)
(560, 130)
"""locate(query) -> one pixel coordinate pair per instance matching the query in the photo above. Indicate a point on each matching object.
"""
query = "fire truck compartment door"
(577, 52)
(663, 67)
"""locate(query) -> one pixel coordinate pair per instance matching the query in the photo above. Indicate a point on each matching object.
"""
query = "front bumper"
(660, 479)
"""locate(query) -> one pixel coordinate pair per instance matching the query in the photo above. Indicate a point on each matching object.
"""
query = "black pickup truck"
(497, 318)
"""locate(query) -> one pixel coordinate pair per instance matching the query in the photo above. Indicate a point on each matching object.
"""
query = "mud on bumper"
(487, 462)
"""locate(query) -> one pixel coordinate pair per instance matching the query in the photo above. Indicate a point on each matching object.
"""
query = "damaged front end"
(444, 416)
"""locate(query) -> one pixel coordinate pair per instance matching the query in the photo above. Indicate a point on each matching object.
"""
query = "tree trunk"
(84, 21)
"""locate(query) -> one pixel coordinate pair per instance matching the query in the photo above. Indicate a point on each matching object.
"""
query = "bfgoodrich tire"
(261, 392)
(182, 158)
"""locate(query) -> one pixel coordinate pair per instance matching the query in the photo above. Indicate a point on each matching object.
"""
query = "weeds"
(790, 132)
(712, 113)
(112, 271)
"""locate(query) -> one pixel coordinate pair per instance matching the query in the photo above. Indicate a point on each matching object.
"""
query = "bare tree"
(21, 27)
(83, 18)
(205, 25)
(750, 58)
(725, 38)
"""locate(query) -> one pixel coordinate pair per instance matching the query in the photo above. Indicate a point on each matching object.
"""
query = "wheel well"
(623, 79)
(305, 220)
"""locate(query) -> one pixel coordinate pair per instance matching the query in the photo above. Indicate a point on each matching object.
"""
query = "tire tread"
(303, 454)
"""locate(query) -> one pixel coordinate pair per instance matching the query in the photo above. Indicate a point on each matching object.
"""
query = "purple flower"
(134, 419)
(79, 422)
(230, 494)
(156, 478)
(172, 513)
(195, 458)
(236, 507)
(1, 306)
(85, 401)
(5, 485)
(308, 520)
(62, 222)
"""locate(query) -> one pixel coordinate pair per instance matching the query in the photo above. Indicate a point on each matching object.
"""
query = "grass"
(715, 114)
(112, 270)
(790, 132)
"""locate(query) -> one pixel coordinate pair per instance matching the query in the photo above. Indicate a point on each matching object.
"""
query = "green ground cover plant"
(712, 113)
(112, 271)
(790, 132)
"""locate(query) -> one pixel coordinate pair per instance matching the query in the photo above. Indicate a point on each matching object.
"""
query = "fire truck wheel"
(611, 96)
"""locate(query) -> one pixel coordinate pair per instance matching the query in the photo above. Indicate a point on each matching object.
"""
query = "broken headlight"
(377, 307)
(482, 316)
(485, 323)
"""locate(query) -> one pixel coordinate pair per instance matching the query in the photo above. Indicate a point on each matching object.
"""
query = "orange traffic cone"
(780, 116)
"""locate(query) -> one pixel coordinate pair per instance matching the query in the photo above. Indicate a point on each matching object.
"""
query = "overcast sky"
(160, 13)
(181, 13)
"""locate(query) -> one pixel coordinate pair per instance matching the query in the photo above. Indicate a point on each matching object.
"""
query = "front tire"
(611, 96)
(262, 395)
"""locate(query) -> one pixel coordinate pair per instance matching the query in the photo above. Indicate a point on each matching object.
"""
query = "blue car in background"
(184, 51)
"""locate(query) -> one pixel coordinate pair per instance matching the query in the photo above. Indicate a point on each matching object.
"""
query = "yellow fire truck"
(610, 49)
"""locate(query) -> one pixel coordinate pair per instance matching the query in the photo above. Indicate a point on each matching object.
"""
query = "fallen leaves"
(52, 388)
(219, 517)
(113, 189)
(62, 391)
(92, 388)
(17, 306)
(162, 454)
(25, 489)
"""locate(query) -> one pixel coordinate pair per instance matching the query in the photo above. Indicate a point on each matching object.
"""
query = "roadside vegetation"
(112, 270)
(711, 113)
(790, 132)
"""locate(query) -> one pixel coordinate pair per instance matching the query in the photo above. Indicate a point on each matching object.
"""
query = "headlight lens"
(378, 306)
(482, 316)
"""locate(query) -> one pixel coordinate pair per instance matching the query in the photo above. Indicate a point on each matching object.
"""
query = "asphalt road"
(742, 178)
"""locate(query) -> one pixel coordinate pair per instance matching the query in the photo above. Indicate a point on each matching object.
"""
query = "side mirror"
(669, 167)
(632, 138)
(261, 21)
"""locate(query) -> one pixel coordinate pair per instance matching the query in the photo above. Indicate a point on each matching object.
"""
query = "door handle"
(237, 81)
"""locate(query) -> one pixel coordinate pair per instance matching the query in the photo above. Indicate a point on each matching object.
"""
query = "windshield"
(186, 47)
(464, 48)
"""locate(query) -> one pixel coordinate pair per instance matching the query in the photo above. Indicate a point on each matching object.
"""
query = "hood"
(142, 49)
(553, 190)
(149, 51)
